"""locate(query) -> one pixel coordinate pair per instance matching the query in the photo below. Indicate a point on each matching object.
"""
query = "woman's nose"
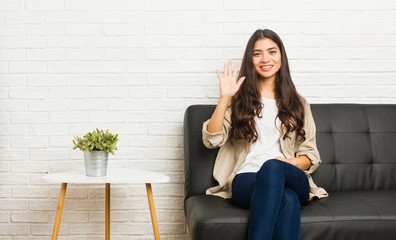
(264, 57)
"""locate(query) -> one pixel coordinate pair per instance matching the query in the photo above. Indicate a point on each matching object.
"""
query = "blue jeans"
(274, 196)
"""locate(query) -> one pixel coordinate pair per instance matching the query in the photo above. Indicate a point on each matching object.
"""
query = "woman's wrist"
(293, 161)
(225, 100)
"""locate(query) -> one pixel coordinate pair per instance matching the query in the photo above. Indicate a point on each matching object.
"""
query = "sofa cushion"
(343, 215)
(351, 215)
(213, 218)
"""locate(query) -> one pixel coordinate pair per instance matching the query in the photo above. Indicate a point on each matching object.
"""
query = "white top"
(267, 145)
(114, 175)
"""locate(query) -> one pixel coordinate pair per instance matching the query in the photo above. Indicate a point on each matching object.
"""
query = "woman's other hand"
(302, 162)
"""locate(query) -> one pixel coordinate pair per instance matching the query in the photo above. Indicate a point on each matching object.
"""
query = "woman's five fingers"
(229, 84)
(228, 70)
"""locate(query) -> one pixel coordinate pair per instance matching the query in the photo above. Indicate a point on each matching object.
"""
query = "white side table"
(114, 175)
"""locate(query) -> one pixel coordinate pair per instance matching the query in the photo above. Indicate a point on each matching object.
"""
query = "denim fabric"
(274, 196)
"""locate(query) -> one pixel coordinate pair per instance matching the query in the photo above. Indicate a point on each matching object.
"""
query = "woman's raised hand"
(229, 85)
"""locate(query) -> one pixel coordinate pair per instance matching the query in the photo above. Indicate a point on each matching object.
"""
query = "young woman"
(267, 137)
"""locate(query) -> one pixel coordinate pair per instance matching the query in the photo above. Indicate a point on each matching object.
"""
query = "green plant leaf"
(97, 140)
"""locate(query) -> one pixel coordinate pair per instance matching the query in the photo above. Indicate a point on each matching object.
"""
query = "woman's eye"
(272, 52)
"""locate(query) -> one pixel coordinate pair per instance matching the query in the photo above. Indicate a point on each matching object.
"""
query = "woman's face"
(266, 58)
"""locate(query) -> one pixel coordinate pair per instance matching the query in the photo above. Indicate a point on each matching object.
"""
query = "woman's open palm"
(228, 81)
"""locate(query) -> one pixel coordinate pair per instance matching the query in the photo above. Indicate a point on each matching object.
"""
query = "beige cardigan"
(230, 157)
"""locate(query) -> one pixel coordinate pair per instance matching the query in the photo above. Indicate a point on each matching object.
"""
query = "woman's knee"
(271, 166)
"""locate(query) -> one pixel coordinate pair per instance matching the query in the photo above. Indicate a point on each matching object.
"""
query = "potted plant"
(96, 146)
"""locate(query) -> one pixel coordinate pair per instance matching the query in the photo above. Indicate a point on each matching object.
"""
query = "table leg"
(107, 212)
(152, 211)
(59, 211)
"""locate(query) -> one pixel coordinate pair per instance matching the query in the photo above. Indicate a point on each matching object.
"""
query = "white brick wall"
(133, 66)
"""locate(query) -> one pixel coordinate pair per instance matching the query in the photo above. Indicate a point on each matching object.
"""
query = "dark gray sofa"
(357, 144)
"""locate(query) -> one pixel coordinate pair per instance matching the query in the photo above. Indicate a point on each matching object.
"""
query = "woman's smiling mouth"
(266, 68)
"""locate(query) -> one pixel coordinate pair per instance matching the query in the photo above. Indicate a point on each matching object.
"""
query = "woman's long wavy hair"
(246, 103)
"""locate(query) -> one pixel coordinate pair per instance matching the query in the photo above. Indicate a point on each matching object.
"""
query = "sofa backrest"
(357, 144)
(198, 160)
